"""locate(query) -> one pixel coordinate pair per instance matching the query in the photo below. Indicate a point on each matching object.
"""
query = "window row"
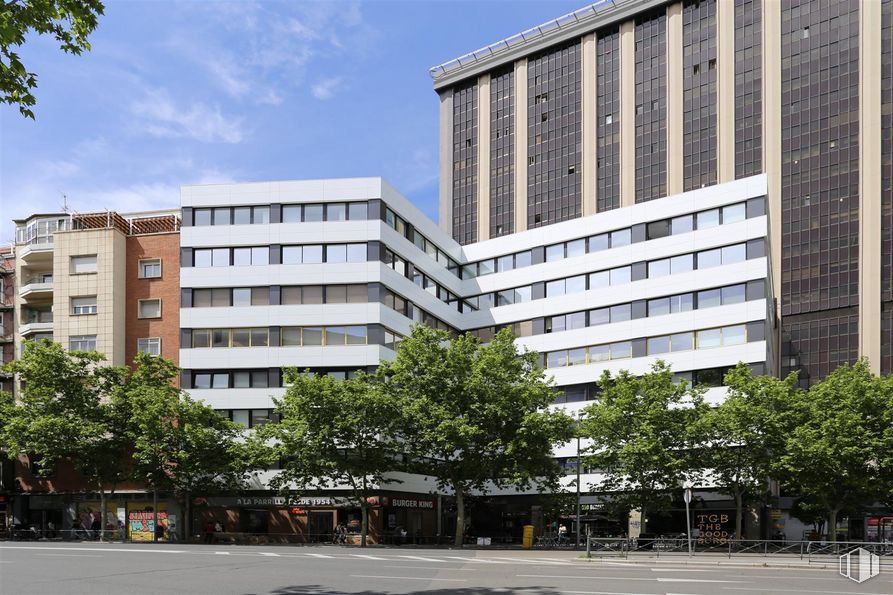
(265, 255)
(262, 215)
(686, 341)
(263, 378)
(705, 377)
(403, 306)
(315, 254)
(86, 305)
(621, 237)
(684, 302)
(250, 418)
(275, 295)
(398, 224)
(149, 268)
(394, 261)
(296, 336)
(619, 275)
(286, 336)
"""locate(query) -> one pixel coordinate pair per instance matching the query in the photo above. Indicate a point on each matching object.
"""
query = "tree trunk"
(101, 512)
(832, 525)
(187, 517)
(643, 523)
(739, 514)
(154, 515)
(364, 523)
(460, 516)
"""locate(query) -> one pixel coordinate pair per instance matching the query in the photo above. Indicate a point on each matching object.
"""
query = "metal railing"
(811, 551)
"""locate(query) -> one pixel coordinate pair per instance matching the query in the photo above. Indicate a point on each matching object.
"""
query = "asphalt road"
(57, 568)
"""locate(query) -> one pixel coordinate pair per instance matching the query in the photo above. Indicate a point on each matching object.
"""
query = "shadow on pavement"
(317, 590)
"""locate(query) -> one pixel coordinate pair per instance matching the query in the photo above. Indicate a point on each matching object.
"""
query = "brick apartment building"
(99, 281)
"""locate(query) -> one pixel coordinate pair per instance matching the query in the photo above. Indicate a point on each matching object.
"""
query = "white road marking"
(268, 554)
(367, 557)
(796, 591)
(222, 553)
(420, 558)
(473, 560)
(320, 556)
(609, 593)
(682, 570)
(91, 549)
(70, 555)
(694, 580)
(421, 567)
(627, 578)
(411, 578)
(535, 561)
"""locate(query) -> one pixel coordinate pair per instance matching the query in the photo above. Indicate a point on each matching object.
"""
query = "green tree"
(69, 21)
(335, 434)
(742, 435)
(642, 432)
(836, 452)
(475, 416)
(65, 414)
(180, 444)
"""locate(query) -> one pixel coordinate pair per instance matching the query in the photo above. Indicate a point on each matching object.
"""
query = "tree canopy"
(475, 416)
(837, 454)
(179, 443)
(66, 413)
(741, 436)
(335, 434)
(70, 22)
(642, 440)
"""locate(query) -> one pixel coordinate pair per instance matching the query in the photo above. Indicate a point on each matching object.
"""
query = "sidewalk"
(715, 559)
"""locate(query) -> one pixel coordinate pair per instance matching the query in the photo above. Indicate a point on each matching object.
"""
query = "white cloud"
(159, 116)
(259, 52)
(325, 89)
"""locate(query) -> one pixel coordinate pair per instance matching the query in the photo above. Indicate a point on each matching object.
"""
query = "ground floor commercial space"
(394, 518)
(131, 516)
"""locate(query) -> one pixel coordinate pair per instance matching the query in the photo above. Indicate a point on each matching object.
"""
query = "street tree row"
(472, 417)
(831, 445)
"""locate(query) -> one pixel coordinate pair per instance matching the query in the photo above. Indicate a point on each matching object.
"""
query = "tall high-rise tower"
(627, 101)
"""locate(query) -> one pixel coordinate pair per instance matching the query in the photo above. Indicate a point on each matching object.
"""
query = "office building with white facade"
(328, 275)
(628, 101)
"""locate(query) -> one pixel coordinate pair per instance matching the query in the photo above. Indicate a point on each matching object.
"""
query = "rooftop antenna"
(65, 203)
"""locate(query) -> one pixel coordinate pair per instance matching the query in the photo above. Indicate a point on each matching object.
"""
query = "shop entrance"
(319, 526)
(254, 520)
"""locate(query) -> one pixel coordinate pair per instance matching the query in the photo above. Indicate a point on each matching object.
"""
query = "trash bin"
(527, 538)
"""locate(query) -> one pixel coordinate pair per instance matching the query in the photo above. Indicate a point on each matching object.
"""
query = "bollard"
(588, 544)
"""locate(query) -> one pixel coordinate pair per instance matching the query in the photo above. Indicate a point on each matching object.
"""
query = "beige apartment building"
(73, 272)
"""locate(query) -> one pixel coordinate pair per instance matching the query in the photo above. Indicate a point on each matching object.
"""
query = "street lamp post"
(579, 419)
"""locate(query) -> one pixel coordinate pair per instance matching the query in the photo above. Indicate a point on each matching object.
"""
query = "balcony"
(38, 285)
(35, 254)
(32, 328)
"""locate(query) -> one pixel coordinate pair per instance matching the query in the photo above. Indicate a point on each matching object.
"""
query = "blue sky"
(177, 93)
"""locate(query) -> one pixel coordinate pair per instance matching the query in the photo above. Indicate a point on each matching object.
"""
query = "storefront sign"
(142, 524)
(279, 501)
(713, 528)
(408, 503)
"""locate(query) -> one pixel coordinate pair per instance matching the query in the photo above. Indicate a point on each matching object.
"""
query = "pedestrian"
(122, 532)
(51, 530)
(218, 531)
(209, 532)
(96, 528)
(562, 534)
